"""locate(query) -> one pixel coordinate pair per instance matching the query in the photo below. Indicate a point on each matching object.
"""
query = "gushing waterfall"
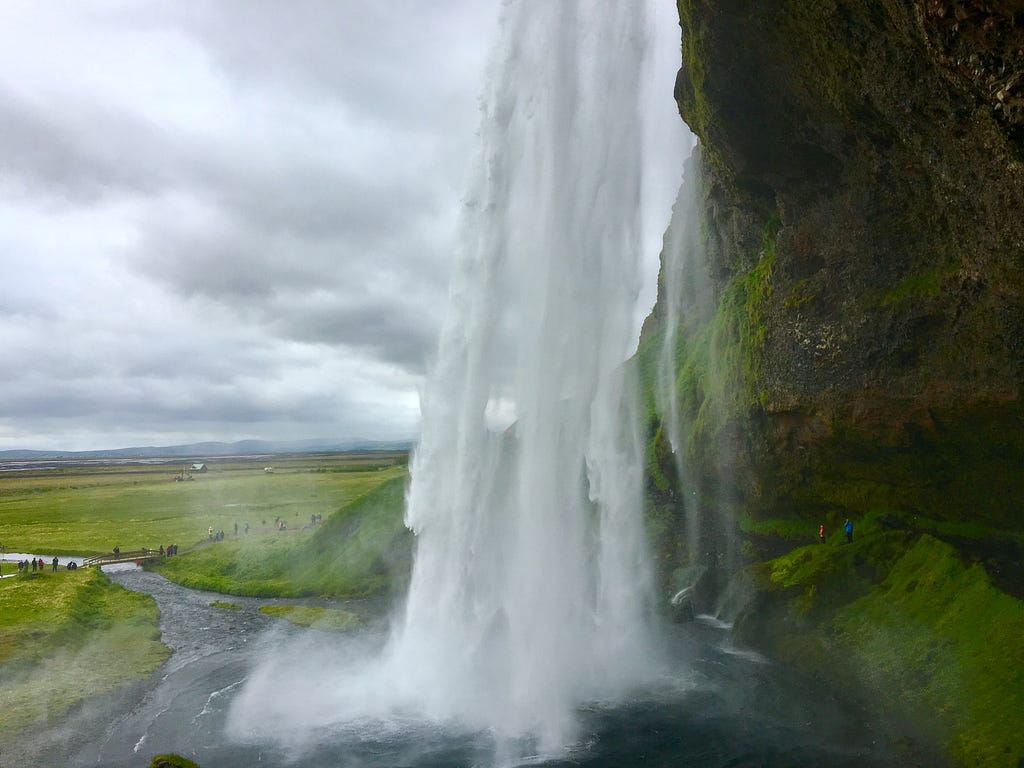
(530, 589)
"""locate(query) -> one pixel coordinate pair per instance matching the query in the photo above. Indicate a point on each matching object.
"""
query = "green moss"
(657, 455)
(926, 283)
(901, 616)
(798, 295)
(783, 527)
(941, 636)
(172, 761)
(693, 102)
(719, 365)
(332, 619)
(831, 61)
(225, 606)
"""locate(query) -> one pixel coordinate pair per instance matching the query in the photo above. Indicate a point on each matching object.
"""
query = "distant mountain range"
(239, 448)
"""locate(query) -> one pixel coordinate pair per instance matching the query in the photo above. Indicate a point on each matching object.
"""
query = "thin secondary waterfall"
(686, 375)
(530, 590)
(678, 273)
(684, 286)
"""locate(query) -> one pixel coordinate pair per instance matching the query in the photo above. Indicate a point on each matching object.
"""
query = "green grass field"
(84, 511)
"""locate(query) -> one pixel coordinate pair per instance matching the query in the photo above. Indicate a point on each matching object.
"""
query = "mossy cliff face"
(857, 349)
(864, 206)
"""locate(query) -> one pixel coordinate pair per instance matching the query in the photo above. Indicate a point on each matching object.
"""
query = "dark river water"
(727, 707)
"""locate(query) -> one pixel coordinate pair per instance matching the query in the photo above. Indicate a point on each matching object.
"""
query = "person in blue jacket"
(848, 527)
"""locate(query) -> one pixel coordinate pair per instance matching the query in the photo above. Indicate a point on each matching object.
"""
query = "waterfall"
(530, 594)
(687, 368)
(679, 272)
(530, 588)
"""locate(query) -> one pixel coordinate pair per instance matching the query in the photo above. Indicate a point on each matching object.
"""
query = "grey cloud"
(316, 203)
(79, 151)
(398, 63)
(279, 269)
(393, 333)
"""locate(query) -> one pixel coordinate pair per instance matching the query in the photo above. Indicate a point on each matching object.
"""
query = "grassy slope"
(86, 512)
(65, 636)
(362, 549)
(900, 614)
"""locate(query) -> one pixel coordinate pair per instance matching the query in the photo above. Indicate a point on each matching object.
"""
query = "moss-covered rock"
(900, 620)
(867, 258)
(172, 761)
(848, 342)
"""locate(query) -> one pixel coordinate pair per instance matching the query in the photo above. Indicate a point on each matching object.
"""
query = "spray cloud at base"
(531, 592)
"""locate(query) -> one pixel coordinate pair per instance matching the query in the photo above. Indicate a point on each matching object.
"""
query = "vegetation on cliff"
(862, 214)
(899, 617)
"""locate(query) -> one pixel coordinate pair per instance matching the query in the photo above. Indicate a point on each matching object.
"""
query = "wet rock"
(682, 605)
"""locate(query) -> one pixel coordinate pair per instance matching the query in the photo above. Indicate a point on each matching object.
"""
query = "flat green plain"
(90, 510)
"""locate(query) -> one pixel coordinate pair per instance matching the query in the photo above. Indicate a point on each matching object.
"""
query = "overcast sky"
(234, 219)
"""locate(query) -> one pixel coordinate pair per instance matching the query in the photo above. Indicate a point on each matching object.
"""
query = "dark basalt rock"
(863, 168)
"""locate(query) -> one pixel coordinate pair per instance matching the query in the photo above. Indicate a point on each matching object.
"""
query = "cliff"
(845, 337)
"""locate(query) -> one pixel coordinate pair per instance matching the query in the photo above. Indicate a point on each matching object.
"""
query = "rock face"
(864, 197)
(850, 343)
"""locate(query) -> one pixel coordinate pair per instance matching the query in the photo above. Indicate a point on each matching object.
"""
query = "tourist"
(848, 527)
(33, 565)
(54, 564)
(821, 533)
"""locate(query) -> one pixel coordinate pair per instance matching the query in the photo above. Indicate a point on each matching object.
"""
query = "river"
(721, 706)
